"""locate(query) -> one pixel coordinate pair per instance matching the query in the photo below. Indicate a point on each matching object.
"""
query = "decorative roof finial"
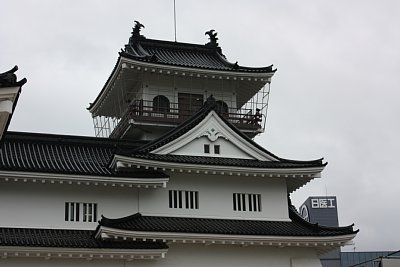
(136, 29)
(213, 38)
(9, 78)
(210, 101)
(136, 32)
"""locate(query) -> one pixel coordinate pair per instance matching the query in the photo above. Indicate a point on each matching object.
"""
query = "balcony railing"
(143, 111)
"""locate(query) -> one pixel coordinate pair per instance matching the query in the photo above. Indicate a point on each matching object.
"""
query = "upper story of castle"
(156, 85)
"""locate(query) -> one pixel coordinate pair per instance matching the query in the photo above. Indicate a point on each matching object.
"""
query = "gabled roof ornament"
(213, 38)
(136, 32)
(9, 78)
(210, 102)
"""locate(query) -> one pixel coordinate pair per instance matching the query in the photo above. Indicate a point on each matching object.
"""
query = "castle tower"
(156, 85)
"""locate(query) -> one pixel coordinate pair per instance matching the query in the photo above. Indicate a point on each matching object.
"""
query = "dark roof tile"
(184, 55)
(63, 238)
(31, 152)
(296, 227)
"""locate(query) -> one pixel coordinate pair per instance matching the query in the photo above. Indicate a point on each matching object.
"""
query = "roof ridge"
(176, 45)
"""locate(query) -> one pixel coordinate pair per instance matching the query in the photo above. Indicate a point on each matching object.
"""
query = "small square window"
(207, 149)
(216, 149)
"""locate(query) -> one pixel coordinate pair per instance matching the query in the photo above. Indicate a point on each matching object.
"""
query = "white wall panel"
(194, 256)
(42, 205)
(215, 196)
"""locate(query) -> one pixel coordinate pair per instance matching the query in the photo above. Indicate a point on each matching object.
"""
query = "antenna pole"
(175, 20)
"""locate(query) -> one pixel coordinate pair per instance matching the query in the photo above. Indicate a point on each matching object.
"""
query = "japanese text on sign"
(322, 203)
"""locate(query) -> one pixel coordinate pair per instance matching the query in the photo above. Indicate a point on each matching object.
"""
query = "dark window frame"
(161, 104)
(206, 148)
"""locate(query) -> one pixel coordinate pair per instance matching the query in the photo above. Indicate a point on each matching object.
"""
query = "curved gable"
(213, 131)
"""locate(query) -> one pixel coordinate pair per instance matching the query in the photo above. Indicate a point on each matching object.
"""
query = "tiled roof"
(297, 227)
(31, 152)
(184, 55)
(178, 54)
(219, 161)
(62, 238)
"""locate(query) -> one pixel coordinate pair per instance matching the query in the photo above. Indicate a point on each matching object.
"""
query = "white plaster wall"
(195, 256)
(227, 149)
(42, 205)
(231, 256)
(215, 196)
(39, 205)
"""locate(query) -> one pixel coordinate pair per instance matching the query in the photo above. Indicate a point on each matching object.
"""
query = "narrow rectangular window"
(250, 199)
(180, 199)
(207, 149)
(95, 212)
(175, 199)
(234, 201)
(244, 202)
(90, 213)
(187, 199)
(259, 202)
(196, 198)
(72, 213)
(66, 211)
(216, 149)
(255, 204)
(191, 199)
(77, 211)
(84, 212)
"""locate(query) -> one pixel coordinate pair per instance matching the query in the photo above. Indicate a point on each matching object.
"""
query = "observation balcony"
(142, 115)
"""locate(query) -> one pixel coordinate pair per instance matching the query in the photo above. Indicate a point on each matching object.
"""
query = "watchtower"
(156, 85)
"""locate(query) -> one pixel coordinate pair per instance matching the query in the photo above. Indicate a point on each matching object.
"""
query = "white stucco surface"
(216, 196)
(42, 205)
(194, 256)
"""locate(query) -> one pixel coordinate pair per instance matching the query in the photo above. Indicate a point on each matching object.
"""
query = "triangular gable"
(221, 139)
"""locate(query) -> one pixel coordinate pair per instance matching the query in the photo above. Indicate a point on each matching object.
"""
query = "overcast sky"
(335, 94)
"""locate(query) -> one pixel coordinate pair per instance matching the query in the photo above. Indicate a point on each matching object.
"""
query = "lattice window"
(80, 212)
(246, 202)
(180, 199)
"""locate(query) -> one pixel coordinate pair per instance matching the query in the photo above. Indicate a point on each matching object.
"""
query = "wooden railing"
(174, 114)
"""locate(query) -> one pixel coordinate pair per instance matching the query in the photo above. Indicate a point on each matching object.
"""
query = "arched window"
(221, 107)
(161, 104)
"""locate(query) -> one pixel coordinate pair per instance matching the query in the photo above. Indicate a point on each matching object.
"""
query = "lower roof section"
(296, 227)
(295, 233)
(53, 158)
(61, 154)
(67, 238)
(65, 243)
